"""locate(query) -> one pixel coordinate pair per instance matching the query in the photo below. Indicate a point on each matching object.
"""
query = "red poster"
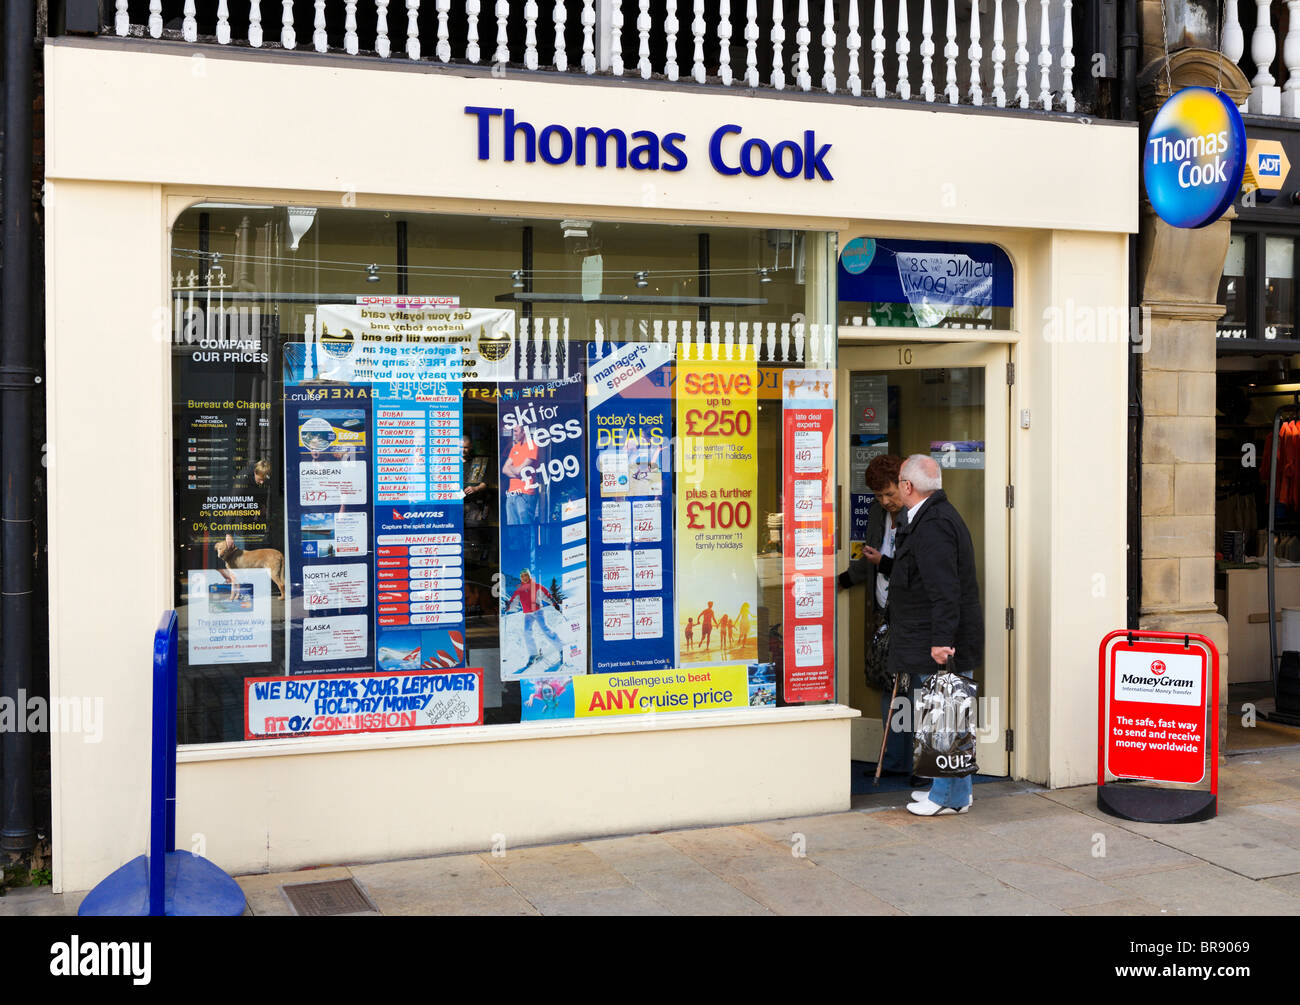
(1156, 717)
(808, 528)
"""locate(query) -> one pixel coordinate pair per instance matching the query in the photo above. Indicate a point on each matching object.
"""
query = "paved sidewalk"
(1020, 850)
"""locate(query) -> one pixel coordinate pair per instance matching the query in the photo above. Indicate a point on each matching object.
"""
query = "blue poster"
(329, 516)
(543, 586)
(629, 403)
(419, 510)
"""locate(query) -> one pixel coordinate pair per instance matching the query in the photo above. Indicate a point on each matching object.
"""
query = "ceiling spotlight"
(642, 280)
(372, 273)
(764, 275)
(518, 277)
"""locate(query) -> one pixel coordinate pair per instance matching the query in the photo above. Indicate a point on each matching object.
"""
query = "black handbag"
(877, 667)
(944, 719)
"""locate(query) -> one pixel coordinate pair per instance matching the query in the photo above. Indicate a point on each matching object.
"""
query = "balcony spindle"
(751, 42)
(854, 46)
(671, 26)
(319, 40)
(616, 38)
(1067, 59)
(189, 26)
(288, 38)
(382, 44)
(351, 44)
(1044, 58)
(1266, 97)
(1291, 57)
(697, 34)
(927, 51)
(121, 18)
(1234, 42)
(902, 47)
(471, 41)
(828, 47)
(255, 24)
(778, 44)
(643, 39)
(588, 36)
(1022, 56)
(223, 23)
(878, 50)
(442, 47)
(155, 18)
(724, 42)
(802, 37)
(976, 55)
(999, 56)
(530, 35)
(501, 55)
(950, 52)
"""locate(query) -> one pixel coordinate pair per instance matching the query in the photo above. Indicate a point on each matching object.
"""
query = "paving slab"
(402, 887)
(39, 901)
(911, 877)
(640, 853)
(694, 890)
(812, 891)
(1287, 884)
(1129, 907)
(492, 901)
(833, 832)
(567, 868)
(1239, 843)
(1207, 889)
(621, 901)
(1050, 881)
(732, 850)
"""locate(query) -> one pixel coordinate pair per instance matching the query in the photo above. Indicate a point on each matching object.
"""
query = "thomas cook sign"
(1195, 156)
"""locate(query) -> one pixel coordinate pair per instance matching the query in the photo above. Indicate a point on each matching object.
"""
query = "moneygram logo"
(1157, 667)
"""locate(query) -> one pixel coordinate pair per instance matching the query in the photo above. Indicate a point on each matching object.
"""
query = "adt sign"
(1195, 157)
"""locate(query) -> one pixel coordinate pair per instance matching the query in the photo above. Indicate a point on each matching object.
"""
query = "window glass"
(437, 471)
(1279, 287)
(1235, 287)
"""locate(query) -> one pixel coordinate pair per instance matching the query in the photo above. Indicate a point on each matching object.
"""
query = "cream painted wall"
(116, 180)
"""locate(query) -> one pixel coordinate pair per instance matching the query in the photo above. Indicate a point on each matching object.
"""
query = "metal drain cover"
(331, 897)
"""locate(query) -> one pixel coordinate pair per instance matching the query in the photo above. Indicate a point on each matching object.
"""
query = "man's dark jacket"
(934, 598)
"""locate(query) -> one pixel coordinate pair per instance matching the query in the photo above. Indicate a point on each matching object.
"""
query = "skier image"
(534, 617)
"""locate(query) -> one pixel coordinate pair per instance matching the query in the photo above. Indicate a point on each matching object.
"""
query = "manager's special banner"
(684, 689)
(419, 513)
(629, 404)
(329, 519)
(808, 522)
(334, 704)
(716, 529)
(543, 527)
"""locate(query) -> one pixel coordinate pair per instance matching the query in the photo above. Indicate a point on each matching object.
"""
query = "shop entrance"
(948, 400)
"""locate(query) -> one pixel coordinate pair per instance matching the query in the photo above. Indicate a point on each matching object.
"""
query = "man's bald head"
(919, 476)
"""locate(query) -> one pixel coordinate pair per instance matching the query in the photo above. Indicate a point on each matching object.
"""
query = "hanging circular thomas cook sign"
(1194, 158)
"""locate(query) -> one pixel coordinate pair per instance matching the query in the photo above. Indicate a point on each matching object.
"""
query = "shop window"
(435, 471)
(1279, 288)
(924, 284)
(1235, 287)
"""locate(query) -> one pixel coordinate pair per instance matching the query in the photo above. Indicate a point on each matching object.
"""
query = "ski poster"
(543, 497)
(629, 414)
(808, 583)
(716, 529)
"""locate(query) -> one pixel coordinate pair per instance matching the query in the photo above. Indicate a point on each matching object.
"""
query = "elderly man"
(873, 570)
(934, 604)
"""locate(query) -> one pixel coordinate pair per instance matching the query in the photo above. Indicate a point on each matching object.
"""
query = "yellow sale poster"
(717, 519)
(684, 689)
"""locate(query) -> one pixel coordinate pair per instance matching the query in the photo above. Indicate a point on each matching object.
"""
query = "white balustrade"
(1265, 96)
(319, 40)
(588, 36)
(530, 35)
(189, 26)
(1022, 56)
(950, 52)
(1044, 58)
(724, 42)
(751, 42)
(559, 15)
(802, 37)
(155, 19)
(999, 55)
(287, 37)
(643, 39)
(1291, 58)
(616, 37)
(854, 44)
(223, 23)
(501, 56)
(878, 50)
(778, 45)
(902, 48)
(383, 48)
(927, 52)
(255, 24)
(471, 42)
(828, 46)
(671, 27)
(351, 44)
(1234, 42)
(976, 55)
(1067, 58)
(697, 34)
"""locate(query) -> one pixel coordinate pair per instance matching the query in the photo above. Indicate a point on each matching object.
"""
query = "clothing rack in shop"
(1273, 659)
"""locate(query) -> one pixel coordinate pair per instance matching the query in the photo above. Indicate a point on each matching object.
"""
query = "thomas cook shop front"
(500, 469)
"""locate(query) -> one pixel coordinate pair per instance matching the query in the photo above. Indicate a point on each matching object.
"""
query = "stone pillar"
(1178, 275)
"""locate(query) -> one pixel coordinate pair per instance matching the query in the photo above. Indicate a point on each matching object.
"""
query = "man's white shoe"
(925, 808)
(920, 795)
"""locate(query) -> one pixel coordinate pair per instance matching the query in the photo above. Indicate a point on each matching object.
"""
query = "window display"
(472, 471)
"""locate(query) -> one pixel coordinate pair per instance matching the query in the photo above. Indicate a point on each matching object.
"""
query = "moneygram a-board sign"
(1194, 158)
(1158, 698)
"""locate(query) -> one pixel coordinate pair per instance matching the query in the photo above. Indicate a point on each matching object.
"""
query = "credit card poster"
(543, 586)
(629, 403)
(329, 516)
(808, 590)
(419, 508)
(716, 526)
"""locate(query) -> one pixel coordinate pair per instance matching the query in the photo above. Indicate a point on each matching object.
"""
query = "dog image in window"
(262, 558)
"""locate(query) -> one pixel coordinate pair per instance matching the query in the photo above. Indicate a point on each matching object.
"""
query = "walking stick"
(884, 739)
